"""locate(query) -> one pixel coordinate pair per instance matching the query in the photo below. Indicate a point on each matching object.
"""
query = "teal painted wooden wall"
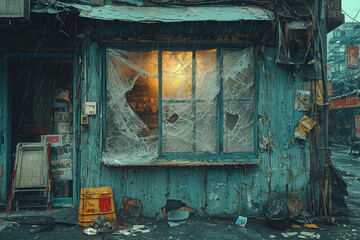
(5, 131)
(211, 191)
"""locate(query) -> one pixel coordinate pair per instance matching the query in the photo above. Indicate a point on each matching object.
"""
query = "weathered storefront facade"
(195, 104)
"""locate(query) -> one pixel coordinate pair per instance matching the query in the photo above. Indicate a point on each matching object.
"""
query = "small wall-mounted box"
(84, 119)
(90, 108)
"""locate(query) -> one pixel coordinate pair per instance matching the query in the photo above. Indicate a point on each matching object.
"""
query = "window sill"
(183, 163)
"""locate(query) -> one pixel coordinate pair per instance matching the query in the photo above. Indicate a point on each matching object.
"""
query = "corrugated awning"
(177, 14)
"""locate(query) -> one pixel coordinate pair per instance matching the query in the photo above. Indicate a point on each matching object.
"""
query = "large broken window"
(176, 103)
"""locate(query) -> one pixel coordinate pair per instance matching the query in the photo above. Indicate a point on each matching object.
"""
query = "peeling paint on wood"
(211, 190)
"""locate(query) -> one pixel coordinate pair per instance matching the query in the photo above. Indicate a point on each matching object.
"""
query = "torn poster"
(302, 100)
(303, 127)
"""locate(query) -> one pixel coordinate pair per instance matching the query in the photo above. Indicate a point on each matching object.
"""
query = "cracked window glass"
(131, 107)
(238, 101)
(190, 91)
(189, 99)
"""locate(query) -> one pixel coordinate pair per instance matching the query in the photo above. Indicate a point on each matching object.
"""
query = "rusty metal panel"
(15, 9)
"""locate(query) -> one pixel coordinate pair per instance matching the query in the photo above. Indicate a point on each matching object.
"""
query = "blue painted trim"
(160, 101)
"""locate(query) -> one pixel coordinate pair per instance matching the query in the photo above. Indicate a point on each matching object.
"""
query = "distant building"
(343, 83)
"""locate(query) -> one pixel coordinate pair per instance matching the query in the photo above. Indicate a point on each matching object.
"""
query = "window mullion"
(194, 98)
(220, 130)
(160, 100)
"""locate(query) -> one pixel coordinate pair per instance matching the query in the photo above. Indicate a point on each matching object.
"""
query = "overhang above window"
(178, 14)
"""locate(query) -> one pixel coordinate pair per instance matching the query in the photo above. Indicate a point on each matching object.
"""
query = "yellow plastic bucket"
(95, 202)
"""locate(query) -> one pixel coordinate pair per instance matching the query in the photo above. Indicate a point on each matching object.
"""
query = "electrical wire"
(350, 16)
(357, 14)
(337, 47)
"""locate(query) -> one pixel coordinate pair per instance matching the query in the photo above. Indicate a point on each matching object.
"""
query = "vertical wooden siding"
(212, 191)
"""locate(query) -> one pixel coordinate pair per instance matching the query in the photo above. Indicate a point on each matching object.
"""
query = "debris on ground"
(277, 214)
(135, 229)
(6, 225)
(289, 234)
(175, 224)
(41, 228)
(293, 225)
(102, 224)
(304, 234)
(272, 236)
(178, 215)
(241, 221)
(160, 217)
(90, 231)
(312, 226)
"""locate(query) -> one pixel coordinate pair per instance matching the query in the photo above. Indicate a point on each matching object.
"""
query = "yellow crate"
(95, 202)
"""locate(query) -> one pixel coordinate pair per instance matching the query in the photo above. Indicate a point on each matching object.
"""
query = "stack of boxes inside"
(61, 145)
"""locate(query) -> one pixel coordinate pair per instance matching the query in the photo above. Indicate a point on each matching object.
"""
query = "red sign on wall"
(330, 89)
(345, 102)
(352, 55)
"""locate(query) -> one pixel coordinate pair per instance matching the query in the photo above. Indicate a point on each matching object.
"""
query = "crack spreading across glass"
(190, 112)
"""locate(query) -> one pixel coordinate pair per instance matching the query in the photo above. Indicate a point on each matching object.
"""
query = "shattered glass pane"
(189, 102)
(190, 89)
(238, 101)
(131, 107)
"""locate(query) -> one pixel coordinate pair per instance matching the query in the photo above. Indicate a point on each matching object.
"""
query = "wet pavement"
(347, 226)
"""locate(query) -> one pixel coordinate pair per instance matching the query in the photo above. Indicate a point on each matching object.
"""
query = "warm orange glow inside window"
(177, 75)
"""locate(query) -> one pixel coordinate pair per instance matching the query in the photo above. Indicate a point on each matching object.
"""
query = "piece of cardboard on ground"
(130, 208)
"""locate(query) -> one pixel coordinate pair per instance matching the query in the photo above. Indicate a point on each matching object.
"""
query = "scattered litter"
(5, 225)
(277, 214)
(124, 232)
(160, 217)
(178, 215)
(309, 235)
(134, 229)
(139, 229)
(285, 235)
(293, 225)
(354, 230)
(90, 231)
(289, 234)
(272, 236)
(102, 224)
(241, 221)
(347, 234)
(175, 224)
(312, 226)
